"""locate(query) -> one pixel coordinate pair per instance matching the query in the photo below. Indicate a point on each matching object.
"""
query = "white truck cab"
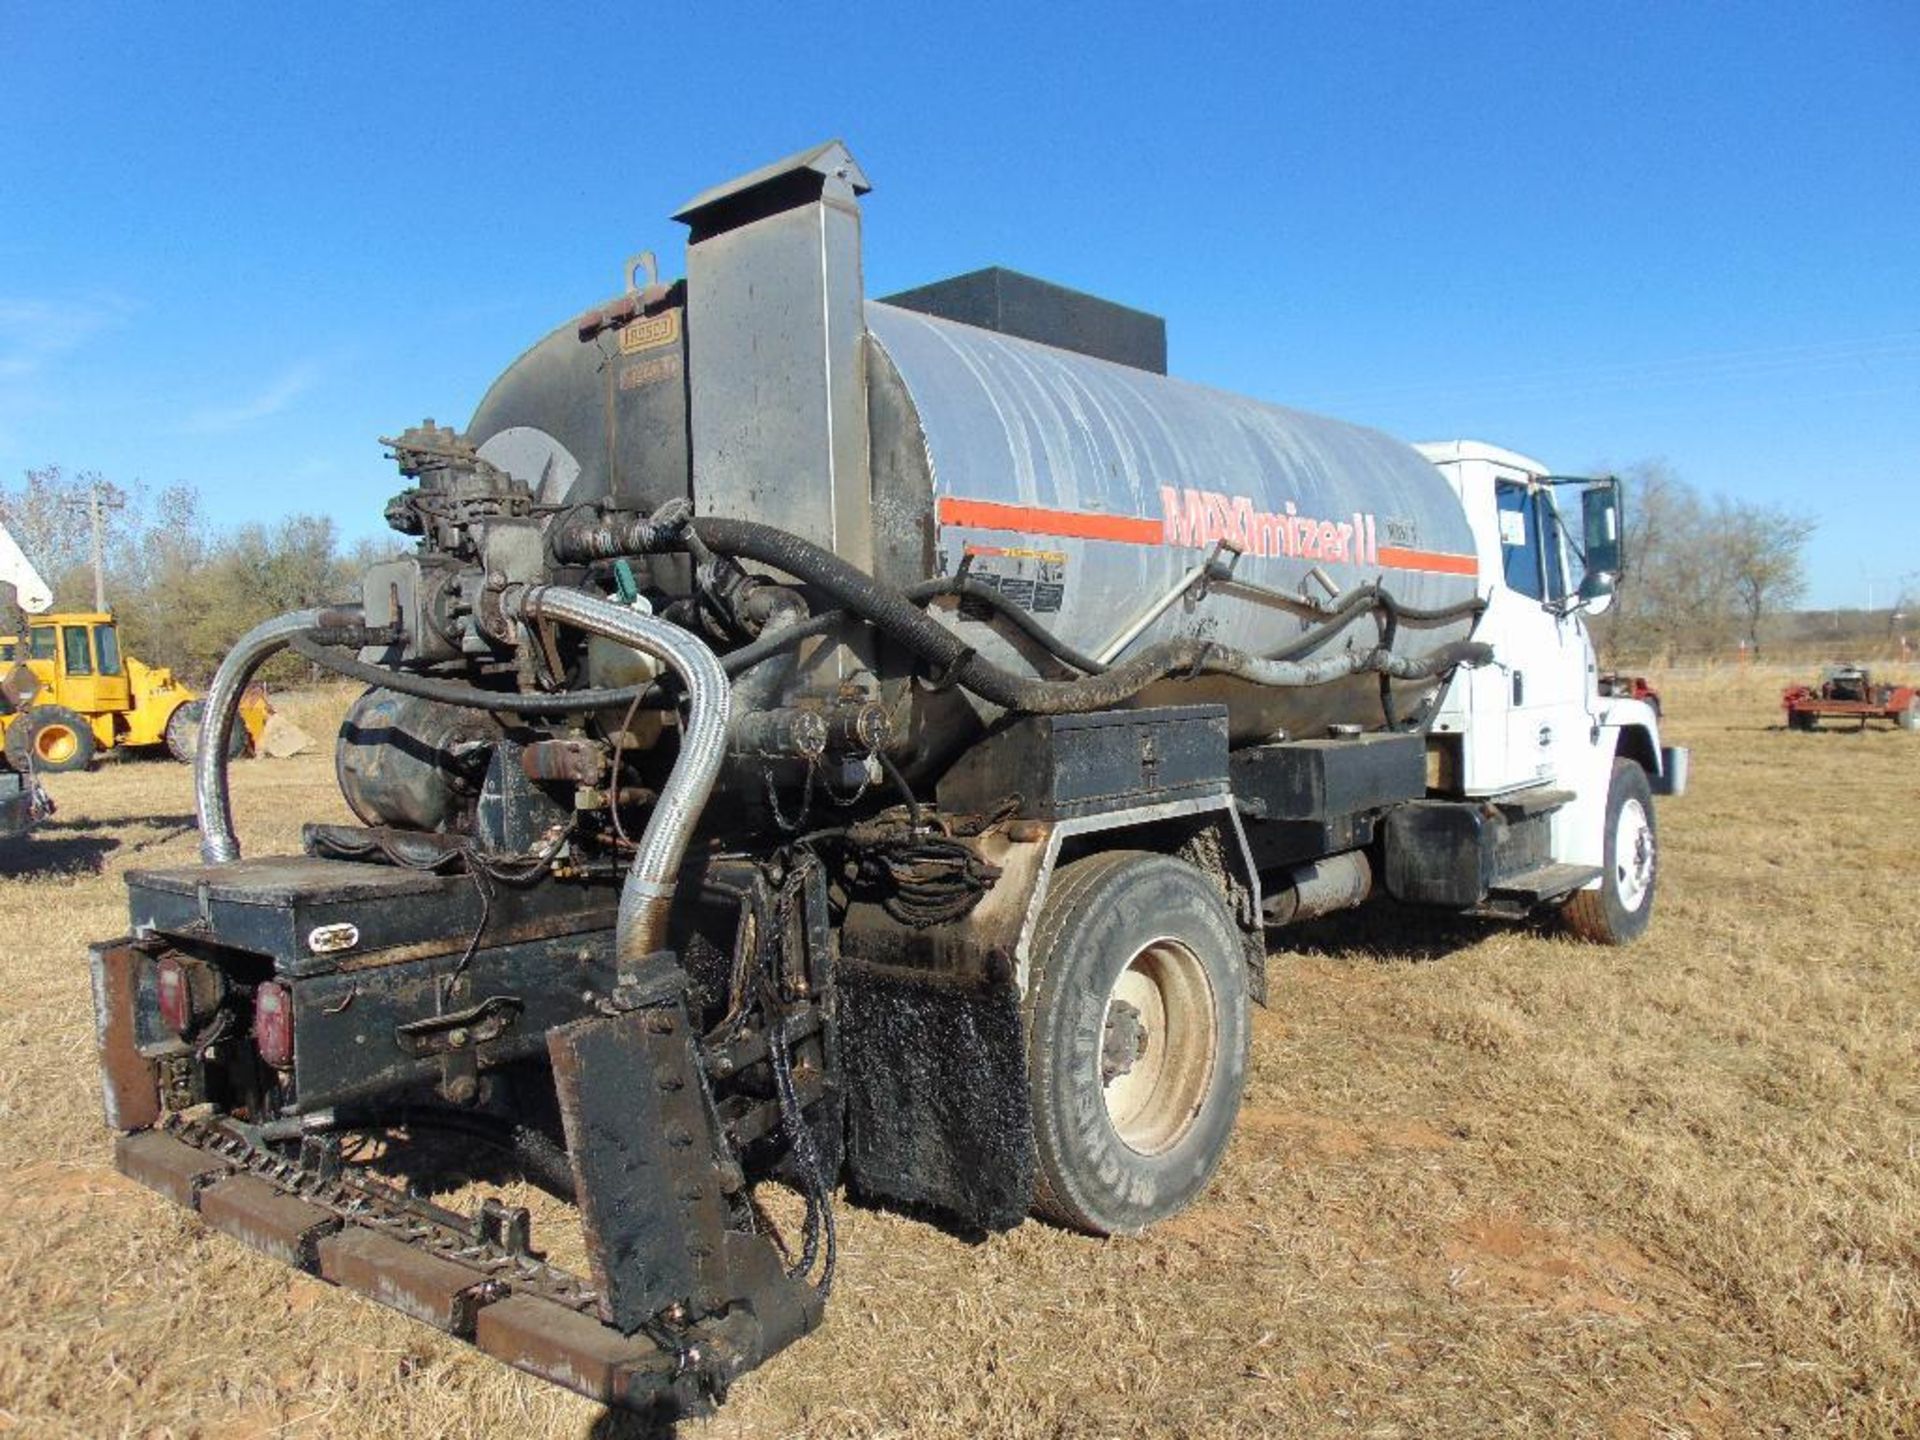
(1534, 719)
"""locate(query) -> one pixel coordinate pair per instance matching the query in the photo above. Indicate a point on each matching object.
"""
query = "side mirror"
(1600, 531)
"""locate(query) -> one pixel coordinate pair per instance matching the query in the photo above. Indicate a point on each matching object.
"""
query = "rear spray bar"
(478, 1278)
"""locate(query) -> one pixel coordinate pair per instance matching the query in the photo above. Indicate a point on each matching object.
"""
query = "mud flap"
(937, 1107)
(642, 1143)
(130, 1082)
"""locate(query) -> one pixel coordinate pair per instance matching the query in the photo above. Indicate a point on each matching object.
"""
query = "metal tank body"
(1084, 490)
(1088, 491)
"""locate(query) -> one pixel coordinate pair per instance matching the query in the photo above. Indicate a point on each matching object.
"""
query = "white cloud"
(35, 331)
(278, 394)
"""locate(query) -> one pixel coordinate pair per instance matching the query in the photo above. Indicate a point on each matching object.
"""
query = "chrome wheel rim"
(1633, 855)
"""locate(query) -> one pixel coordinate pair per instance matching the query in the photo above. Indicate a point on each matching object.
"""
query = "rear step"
(476, 1279)
(1514, 897)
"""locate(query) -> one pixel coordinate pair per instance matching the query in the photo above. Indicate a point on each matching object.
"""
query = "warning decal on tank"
(1035, 580)
(650, 332)
(1201, 519)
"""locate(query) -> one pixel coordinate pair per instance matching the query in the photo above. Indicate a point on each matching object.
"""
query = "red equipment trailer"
(1630, 687)
(1848, 692)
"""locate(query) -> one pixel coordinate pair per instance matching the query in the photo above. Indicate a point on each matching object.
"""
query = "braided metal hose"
(211, 801)
(641, 926)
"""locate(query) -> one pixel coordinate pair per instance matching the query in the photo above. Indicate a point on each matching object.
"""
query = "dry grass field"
(1487, 1181)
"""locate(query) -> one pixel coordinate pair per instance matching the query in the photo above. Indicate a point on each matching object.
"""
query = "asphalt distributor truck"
(848, 743)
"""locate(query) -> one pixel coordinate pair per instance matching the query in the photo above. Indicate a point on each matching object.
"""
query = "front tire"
(1622, 907)
(1909, 718)
(1137, 1038)
(183, 733)
(50, 739)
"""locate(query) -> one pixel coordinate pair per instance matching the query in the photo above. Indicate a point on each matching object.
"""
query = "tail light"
(273, 1024)
(176, 997)
(190, 992)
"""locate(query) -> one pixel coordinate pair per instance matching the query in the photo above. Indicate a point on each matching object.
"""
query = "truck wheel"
(50, 739)
(1621, 908)
(1909, 718)
(1137, 1035)
(1800, 720)
(183, 733)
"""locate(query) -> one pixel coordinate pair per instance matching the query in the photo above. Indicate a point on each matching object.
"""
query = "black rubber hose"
(450, 692)
(772, 642)
(1366, 600)
(896, 617)
(1389, 614)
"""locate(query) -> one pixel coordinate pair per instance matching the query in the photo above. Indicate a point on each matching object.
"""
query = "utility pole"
(96, 514)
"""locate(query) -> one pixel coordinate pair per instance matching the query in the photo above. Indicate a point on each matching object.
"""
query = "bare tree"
(1674, 593)
(1764, 552)
(1701, 573)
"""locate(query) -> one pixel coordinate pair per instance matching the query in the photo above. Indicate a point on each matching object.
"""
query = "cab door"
(1548, 662)
(113, 691)
(85, 684)
(42, 656)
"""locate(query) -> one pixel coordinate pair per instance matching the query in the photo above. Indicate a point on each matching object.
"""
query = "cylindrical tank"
(1086, 491)
(1083, 490)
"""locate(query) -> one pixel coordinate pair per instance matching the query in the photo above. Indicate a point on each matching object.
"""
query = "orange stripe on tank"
(1398, 559)
(1031, 520)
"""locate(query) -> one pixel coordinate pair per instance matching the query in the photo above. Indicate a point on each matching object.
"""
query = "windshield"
(79, 656)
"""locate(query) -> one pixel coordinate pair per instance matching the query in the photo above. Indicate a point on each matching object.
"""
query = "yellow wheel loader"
(68, 693)
(88, 698)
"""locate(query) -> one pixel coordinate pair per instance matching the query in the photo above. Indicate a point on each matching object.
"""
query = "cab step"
(1515, 896)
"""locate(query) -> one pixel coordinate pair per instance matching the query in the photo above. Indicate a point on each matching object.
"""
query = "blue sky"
(237, 243)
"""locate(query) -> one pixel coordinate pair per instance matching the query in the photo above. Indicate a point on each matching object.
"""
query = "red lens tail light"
(273, 1024)
(176, 998)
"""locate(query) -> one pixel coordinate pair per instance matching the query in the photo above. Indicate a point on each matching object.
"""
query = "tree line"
(1706, 575)
(182, 588)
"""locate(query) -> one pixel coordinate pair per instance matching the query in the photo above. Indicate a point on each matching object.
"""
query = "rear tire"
(50, 739)
(183, 733)
(1137, 1036)
(1622, 907)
